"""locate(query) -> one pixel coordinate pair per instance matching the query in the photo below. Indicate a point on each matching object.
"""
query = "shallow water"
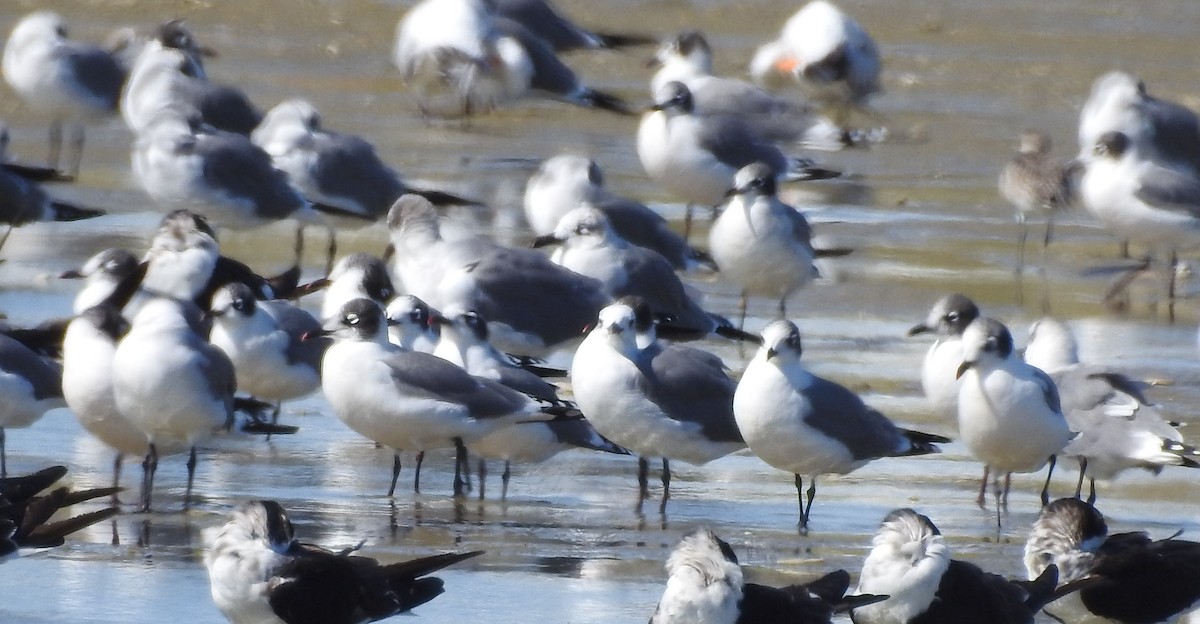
(962, 79)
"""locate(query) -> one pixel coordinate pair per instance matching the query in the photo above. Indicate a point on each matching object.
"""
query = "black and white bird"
(30, 386)
(101, 274)
(911, 563)
(71, 81)
(706, 586)
(358, 275)
(532, 305)
(666, 401)
(1009, 413)
(947, 320)
(260, 573)
(264, 341)
(564, 182)
(1036, 183)
(23, 200)
(1127, 578)
(808, 425)
(1118, 427)
(411, 401)
(172, 384)
(1163, 131)
(830, 55)
(590, 246)
(411, 324)
(26, 512)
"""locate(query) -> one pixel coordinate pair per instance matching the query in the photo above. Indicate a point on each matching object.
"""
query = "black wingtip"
(831, 587)
(442, 198)
(35, 173)
(69, 212)
(923, 443)
(53, 534)
(19, 489)
(624, 40)
(835, 252)
(733, 333)
(606, 101)
(849, 603)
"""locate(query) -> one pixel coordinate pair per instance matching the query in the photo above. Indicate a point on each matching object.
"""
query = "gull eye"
(953, 316)
(239, 305)
(989, 344)
(351, 320)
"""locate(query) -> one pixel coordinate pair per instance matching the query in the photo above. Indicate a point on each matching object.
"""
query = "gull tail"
(623, 40)
(803, 169)
(62, 211)
(727, 330)
(921, 443)
(835, 252)
(604, 101)
(442, 198)
(701, 258)
(580, 433)
(1181, 454)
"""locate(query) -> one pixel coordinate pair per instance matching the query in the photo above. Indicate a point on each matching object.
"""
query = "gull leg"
(812, 493)
(395, 473)
(3, 456)
(1046, 486)
(981, 500)
(417, 477)
(687, 223)
(1022, 234)
(460, 458)
(149, 466)
(643, 480)
(1082, 472)
(298, 248)
(56, 132)
(504, 477)
(117, 477)
(191, 468)
(1091, 492)
(76, 148)
(332, 252)
(1173, 278)
(1007, 488)
(482, 476)
(666, 483)
(999, 494)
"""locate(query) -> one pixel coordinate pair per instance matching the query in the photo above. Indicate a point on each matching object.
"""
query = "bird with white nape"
(695, 156)
(809, 426)
(706, 584)
(590, 246)
(73, 82)
(411, 324)
(666, 401)
(910, 563)
(830, 55)
(259, 573)
(1118, 428)
(407, 400)
(1035, 182)
(356, 276)
(172, 384)
(564, 182)
(761, 244)
(1009, 413)
(1125, 578)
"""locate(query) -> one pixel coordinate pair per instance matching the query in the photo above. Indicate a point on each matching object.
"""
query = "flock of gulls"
(441, 344)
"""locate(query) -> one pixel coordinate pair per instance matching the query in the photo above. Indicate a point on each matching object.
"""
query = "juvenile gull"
(663, 401)
(71, 81)
(564, 182)
(1118, 428)
(1009, 414)
(808, 425)
(259, 572)
(910, 563)
(707, 585)
(1128, 577)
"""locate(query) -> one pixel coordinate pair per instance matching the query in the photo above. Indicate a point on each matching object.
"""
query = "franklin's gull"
(558, 31)
(808, 425)
(30, 386)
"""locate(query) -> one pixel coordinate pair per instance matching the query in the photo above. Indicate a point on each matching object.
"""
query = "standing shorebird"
(1035, 182)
